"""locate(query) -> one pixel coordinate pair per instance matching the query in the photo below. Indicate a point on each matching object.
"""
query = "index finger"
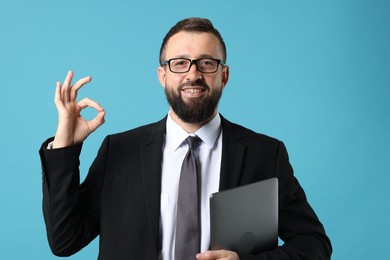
(87, 102)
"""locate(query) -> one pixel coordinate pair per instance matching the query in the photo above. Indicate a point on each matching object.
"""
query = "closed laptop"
(245, 219)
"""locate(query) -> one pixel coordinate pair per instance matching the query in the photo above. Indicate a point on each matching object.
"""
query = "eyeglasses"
(183, 65)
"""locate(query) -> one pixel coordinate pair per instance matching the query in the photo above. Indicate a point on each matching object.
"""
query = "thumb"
(98, 120)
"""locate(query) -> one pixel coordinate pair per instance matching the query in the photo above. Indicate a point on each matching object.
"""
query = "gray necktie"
(187, 243)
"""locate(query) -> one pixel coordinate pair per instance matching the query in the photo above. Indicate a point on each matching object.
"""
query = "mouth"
(193, 90)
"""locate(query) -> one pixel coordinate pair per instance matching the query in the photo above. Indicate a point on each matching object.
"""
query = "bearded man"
(138, 198)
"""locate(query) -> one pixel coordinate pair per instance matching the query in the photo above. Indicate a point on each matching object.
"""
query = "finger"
(87, 102)
(77, 86)
(57, 96)
(208, 255)
(98, 120)
(66, 87)
(68, 79)
(216, 254)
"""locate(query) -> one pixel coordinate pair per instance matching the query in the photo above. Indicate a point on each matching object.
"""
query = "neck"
(189, 127)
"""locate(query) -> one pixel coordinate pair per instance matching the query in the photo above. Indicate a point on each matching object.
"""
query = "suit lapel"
(151, 150)
(233, 154)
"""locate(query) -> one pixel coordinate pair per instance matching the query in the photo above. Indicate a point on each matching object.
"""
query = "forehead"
(193, 45)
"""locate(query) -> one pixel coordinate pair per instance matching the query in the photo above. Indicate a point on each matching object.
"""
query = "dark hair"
(192, 25)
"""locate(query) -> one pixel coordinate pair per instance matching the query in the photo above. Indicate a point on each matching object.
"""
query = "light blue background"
(315, 74)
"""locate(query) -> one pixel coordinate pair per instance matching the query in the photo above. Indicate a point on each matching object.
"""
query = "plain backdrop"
(314, 74)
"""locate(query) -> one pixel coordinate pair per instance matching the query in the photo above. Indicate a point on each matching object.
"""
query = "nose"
(194, 74)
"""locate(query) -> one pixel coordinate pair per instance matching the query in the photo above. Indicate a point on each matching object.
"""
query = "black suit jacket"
(120, 197)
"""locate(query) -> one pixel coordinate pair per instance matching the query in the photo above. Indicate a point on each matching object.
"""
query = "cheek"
(215, 82)
(174, 80)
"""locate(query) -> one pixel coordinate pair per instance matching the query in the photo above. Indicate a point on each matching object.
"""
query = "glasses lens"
(180, 65)
(207, 65)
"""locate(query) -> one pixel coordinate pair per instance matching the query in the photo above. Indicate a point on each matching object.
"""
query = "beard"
(195, 110)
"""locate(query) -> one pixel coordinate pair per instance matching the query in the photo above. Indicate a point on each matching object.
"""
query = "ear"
(225, 76)
(161, 76)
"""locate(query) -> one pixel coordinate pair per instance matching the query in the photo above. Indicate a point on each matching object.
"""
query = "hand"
(72, 127)
(218, 254)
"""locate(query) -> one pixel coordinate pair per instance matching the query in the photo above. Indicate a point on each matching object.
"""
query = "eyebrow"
(202, 56)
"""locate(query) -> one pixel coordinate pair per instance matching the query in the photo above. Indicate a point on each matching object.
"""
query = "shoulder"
(246, 135)
(156, 129)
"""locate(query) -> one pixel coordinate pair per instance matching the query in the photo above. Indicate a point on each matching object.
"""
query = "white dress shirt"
(209, 156)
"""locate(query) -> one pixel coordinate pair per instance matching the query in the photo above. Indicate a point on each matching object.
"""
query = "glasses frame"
(219, 62)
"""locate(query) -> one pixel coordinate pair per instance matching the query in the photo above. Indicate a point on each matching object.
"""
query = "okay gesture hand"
(72, 127)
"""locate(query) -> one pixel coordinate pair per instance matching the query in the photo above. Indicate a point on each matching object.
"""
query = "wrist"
(57, 143)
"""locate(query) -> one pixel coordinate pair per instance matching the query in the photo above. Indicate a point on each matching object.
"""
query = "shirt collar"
(209, 133)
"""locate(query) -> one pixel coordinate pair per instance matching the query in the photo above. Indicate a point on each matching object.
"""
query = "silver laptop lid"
(245, 219)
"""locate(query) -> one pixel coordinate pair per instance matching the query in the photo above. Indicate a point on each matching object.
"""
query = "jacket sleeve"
(303, 234)
(71, 211)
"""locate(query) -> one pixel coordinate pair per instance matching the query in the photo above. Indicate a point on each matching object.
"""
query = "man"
(132, 196)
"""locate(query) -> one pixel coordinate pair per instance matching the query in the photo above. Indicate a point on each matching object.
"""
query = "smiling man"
(194, 75)
(147, 192)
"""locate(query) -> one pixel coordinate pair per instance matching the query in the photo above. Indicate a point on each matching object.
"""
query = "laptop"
(245, 219)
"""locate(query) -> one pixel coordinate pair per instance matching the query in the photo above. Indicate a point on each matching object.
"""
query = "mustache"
(199, 83)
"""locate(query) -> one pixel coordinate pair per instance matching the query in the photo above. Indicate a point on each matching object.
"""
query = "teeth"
(193, 90)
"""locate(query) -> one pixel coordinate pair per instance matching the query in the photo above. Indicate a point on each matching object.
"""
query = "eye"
(207, 63)
(179, 62)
